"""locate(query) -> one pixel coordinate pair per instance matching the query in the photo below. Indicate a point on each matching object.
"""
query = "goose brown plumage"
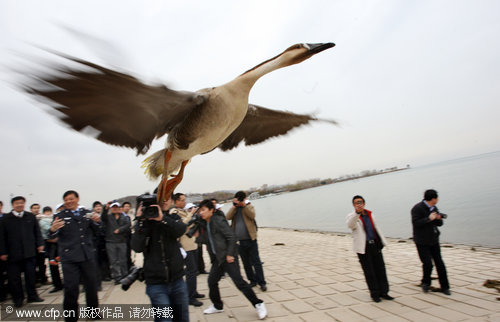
(113, 103)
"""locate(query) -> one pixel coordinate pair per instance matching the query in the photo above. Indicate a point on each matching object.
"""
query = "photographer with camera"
(242, 216)
(222, 244)
(190, 246)
(155, 235)
(367, 243)
(426, 218)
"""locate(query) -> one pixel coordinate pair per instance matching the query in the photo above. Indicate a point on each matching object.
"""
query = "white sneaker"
(212, 309)
(261, 310)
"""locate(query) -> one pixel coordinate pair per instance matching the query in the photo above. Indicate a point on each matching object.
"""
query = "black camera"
(148, 200)
(135, 273)
(443, 216)
(240, 196)
(197, 222)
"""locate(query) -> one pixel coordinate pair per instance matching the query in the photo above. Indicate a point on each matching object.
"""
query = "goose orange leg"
(167, 186)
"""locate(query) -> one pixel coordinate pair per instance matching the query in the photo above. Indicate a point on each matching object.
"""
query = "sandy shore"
(317, 277)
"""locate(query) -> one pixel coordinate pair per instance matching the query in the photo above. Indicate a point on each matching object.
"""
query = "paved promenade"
(316, 277)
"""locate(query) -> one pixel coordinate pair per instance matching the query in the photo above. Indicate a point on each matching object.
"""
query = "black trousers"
(201, 262)
(233, 270)
(56, 276)
(130, 263)
(41, 268)
(249, 252)
(51, 251)
(428, 254)
(373, 266)
(72, 273)
(103, 261)
(14, 270)
(191, 273)
(3, 278)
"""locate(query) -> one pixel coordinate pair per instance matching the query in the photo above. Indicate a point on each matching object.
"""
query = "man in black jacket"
(221, 243)
(426, 218)
(21, 241)
(75, 228)
(157, 239)
(3, 266)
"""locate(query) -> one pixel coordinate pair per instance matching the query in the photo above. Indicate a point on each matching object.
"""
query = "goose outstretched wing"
(123, 110)
(262, 123)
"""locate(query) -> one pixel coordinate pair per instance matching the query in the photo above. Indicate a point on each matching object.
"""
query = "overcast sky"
(411, 82)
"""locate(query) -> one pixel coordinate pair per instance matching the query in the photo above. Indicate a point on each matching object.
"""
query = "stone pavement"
(317, 277)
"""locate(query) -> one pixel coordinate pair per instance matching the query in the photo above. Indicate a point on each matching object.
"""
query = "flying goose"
(129, 113)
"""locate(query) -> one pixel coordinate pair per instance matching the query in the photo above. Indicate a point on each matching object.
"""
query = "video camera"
(135, 273)
(148, 200)
(196, 221)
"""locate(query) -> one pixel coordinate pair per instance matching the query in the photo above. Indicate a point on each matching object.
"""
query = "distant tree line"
(265, 189)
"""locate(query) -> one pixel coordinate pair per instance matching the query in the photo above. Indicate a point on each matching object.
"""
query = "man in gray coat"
(117, 228)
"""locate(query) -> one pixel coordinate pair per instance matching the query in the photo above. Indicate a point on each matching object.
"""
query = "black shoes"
(446, 291)
(196, 303)
(377, 299)
(263, 287)
(199, 296)
(55, 289)
(36, 300)
(426, 288)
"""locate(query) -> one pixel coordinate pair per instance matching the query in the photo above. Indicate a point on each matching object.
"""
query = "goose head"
(298, 53)
(292, 55)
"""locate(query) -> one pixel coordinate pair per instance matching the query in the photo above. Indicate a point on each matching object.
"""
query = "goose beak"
(313, 49)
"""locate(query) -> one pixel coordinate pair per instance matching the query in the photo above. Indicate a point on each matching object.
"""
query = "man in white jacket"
(368, 242)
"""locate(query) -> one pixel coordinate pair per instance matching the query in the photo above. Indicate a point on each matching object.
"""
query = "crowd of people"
(63, 240)
(92, 246)
(95, 245)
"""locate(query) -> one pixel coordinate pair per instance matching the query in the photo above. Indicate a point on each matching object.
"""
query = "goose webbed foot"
(167, 186)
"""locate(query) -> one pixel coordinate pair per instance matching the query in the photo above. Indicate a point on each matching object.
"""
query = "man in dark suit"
(21, 241)
(426, 218)
(3, 266)
(74, 228)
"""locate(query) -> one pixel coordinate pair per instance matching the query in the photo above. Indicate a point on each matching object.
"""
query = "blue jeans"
(249, 252)
(173, 295)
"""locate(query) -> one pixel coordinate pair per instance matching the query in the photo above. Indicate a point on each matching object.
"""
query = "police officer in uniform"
(75, 227)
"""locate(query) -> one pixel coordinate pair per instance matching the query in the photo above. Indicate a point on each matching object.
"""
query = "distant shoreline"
(308, 184)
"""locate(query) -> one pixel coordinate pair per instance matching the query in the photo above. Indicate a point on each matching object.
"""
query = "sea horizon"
(468, 188)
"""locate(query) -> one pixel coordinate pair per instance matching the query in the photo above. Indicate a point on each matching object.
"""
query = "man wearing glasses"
(368, 242)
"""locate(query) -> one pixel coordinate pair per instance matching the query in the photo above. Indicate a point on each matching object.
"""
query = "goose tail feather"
(153, 164)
